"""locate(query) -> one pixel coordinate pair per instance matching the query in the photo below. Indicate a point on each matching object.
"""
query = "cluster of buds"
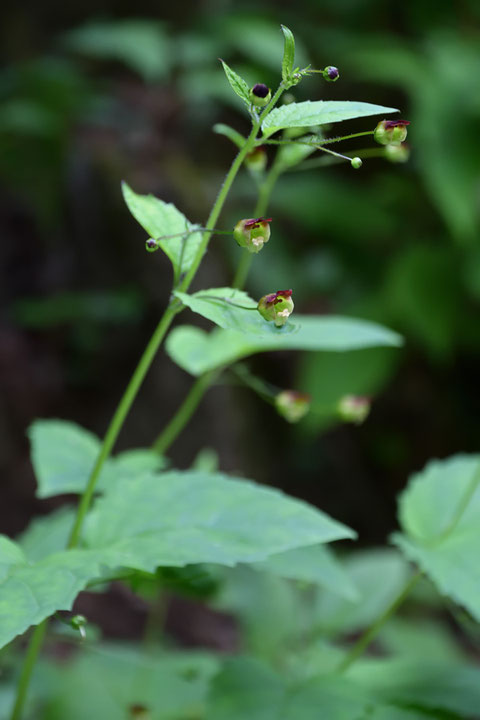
(391, 132)
(292, 405)
(252, 233)
(353, 408)
(260, 95)
(276, 307)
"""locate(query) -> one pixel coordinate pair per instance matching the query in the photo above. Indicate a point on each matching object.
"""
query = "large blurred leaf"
(47, 534)
(10, 555)
(312, 564)
(318, 112)
(445, 545)
(190, 517)
(335, 615)
(233, 310)
(63, 455)
(140, 44)
(197, 351)
(160, 219)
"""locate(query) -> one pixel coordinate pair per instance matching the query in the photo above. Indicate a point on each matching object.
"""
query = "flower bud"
(330, 73)
(356, 163)
(391, 132)
(252, 233)
(353, 408)
(292, 405)
(276, 307)
(139, 712)
(151, 245)
(260, 95)
(78, 622)
(256, 161)
(397, 153)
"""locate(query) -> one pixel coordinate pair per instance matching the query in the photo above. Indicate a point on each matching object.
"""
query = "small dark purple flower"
(332, 73)
(260, 95)
(260, 90)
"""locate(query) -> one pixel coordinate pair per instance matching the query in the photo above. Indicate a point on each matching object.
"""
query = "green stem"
(170, 433)
(118, 419)
(36, 642)
(364, 641)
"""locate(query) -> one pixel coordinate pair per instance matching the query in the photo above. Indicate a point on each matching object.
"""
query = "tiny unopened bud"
(292, 405)
(151, 245)
(330, 73)
(356, 163)
(391, 132)
(256, 161)
(354, 408)
(78, 622)
(260, 95)
(276, 307)
(252, 233)
(397, 153)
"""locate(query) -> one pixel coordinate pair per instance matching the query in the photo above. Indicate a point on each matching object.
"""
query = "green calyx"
(276, 307)
(252, 233)
(292, 405)
(391, 132)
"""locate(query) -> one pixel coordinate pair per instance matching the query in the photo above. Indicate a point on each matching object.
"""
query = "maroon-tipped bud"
(330, 73)
(276, 307)
(354, 408)
(151, 245)
(292, 405)
(260, 95)
(391, 132)
(252, 233)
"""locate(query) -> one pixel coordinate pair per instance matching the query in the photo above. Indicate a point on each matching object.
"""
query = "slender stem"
(170, 433)
(259, 386)
(364, 641)
(319, 141)
(36, 642)
(119, 418)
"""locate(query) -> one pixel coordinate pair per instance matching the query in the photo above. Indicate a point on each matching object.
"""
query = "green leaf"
(236, 138)
(446, 550)
(10, 555)
(63, 456)
(178, 518)
(160, 219)
(336, 615)
(233, 310)
(48, 534)
(196, 351)
(312, 564)
(318, 112)
(237, 83)
(141, 44)
(30, 593)
(288, 54)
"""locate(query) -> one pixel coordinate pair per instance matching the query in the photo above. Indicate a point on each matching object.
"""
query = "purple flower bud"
(260, 95)
(276, 307)
(151, 245)
(252, 233)
(330, 73)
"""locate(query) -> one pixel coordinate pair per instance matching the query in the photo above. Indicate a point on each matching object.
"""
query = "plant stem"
(364, 641)
(35, 644)
(170, 433)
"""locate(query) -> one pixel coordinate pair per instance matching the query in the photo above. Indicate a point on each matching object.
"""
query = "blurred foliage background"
(94, 93)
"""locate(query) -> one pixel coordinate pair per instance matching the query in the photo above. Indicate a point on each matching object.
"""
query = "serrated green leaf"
(48, 534)
(447, 552)
(196, 351)
(11, 554)
(178, 518)
(160, 219)
(318, 112)
(313, 564)
(30, 593)
(230, 133)
(63, 455)
(288, 54)
(233, 310)
(237, 83)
